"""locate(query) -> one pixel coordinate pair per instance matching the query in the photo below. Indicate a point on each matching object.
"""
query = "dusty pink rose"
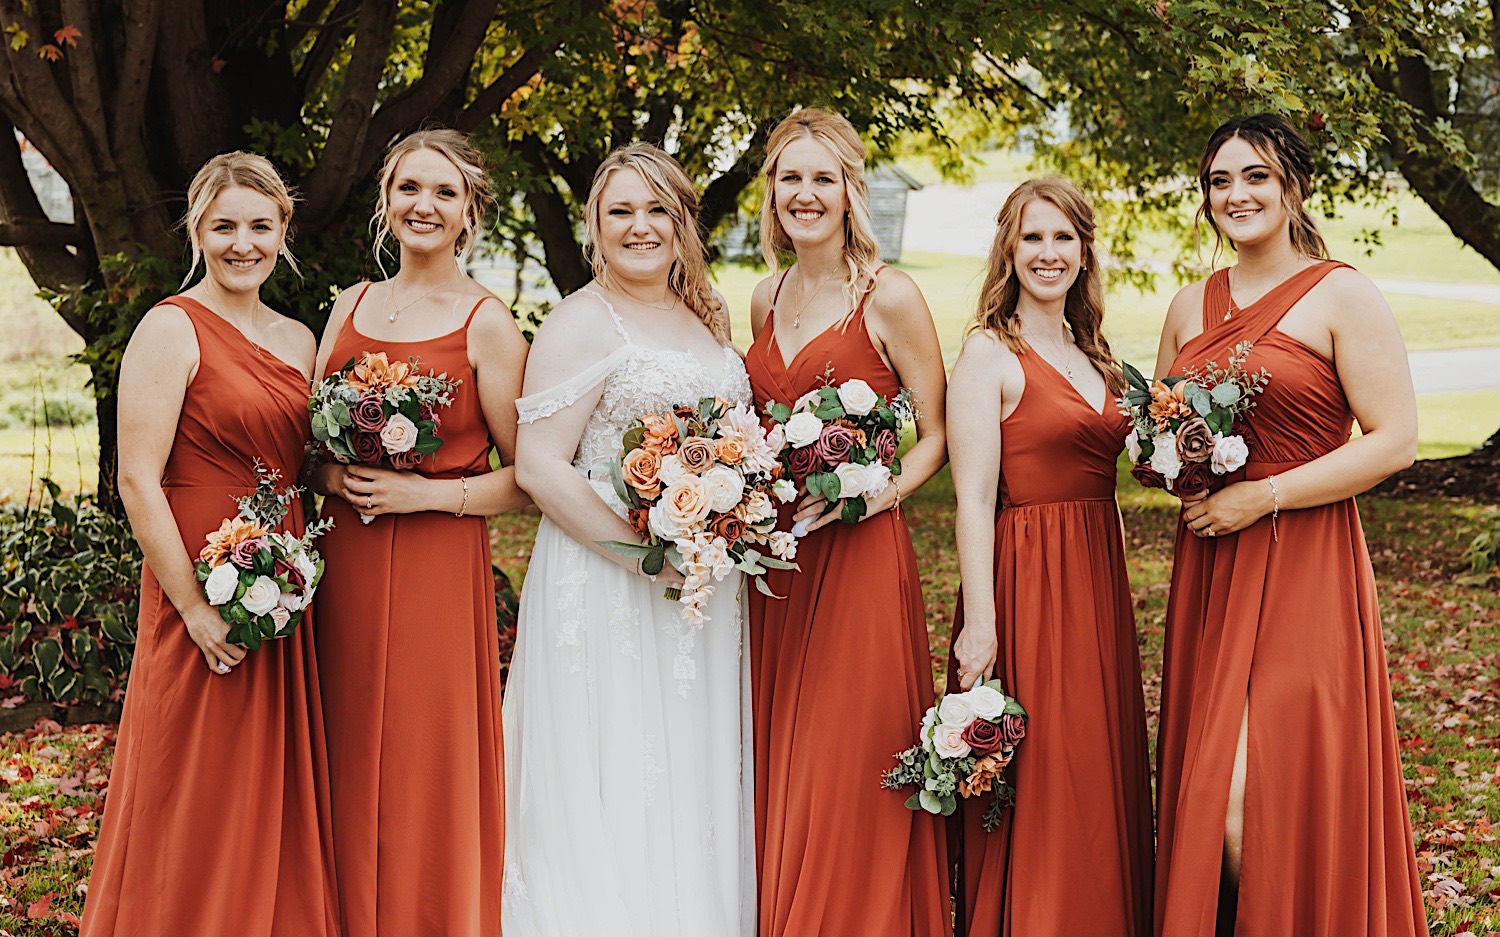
(834, 443)
(804, 462)
(399, 435)
(368, 448)
(1195, 441)
(367, 414)
(1012, 728)
(885, 446)
(1148, 476)
(405, 460)
(243, 553)
(983, 736)
(1193, 480)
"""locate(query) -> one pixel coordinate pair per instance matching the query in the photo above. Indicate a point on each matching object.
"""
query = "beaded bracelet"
(462, 505)
(1275, 507)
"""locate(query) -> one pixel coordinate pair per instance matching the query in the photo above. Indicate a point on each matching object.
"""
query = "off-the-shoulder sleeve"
(544, 403)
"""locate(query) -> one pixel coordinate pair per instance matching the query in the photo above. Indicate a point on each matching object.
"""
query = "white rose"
(877, 477)
(725, 487)
(399, 434)
(988, 702)
(776, 440)
(306, 567)
(803, 429)
(784, 489)
(1230, 452)
(853, 479)
(1133, 445)
(955, 710)
(261, 597)
(1164, 458)
(279, 617)
(221, 583)
(290, 601)
(672, 471)
(857, 397)
(948, 741)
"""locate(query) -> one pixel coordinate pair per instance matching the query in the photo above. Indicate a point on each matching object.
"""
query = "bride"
(626, 733)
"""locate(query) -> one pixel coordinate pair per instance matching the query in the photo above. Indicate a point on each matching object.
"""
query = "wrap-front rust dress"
(411, 687)
(841, 676)
(216, 820)
(1287, 619)
(1074, 855)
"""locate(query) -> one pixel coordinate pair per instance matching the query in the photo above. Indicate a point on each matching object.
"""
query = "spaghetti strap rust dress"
(841, 676)
(1288, 620)
(411, 687)
(1074, 855)
(217, 816)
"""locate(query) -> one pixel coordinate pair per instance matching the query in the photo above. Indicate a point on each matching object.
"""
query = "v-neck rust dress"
(841, 676)
(217, 816)
(1074, 855)
(1288, 620)
(411, 687)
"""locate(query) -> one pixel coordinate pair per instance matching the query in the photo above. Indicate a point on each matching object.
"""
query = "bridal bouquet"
(373, 411)
(1189, 431)
(965, 743)
(261, 580)
(841, 441)
(698, 484)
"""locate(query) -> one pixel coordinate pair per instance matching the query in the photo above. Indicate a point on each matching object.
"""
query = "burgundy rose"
(1193, 480)
(834, 444)
(1148, 476)
(885, 446)
(243, 553)
(367, 414)
(293, 574)
(1195, 441)
(983, 736)
(367, 448)
(804, 462)
(1245, 431)
(1012, 728)
(405, 460)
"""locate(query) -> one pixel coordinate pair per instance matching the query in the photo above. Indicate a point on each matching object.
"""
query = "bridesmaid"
(1046, 600)
(411, 689)
(217, 817)
(840, 667)
(1280, 799)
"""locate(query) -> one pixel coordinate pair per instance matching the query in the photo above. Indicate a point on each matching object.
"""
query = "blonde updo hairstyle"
(1289, 156)
(1083, 309)
(672, 188)
(225, 171)
(455, 147)
(861, 249)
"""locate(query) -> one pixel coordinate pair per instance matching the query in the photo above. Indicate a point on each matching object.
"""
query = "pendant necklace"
(405, 306)
(1057, 350)
(806, 300)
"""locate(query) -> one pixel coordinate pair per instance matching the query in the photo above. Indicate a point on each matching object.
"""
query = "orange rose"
(697, 454)
(640, 470)
(233, 531)
(639, 519)
(728, 526)
(731, 451)
(661, 435)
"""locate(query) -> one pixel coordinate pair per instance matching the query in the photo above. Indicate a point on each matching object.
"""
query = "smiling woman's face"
(1245, 195)
(636, 233)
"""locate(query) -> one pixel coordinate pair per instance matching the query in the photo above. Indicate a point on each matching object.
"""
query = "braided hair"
(1283, 147)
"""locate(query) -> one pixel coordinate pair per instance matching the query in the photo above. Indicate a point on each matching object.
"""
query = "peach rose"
(682, 507)
(640, 470)
(730, 451)
(232, 532)
(697, 454)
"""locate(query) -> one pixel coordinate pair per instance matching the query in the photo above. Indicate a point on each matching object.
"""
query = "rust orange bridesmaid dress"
(1074, 855)
(841, 676)
(216, 820)
(1288, 620)
(411, 687)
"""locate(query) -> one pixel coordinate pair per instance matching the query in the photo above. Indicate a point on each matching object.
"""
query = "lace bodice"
(637, 380)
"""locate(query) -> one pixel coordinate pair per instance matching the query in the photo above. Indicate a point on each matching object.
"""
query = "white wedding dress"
(627, 732)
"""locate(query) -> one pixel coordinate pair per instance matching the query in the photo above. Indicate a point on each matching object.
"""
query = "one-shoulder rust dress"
(1287, 619)
(841, 676)
(1074, 855)
(411, 687)
(217, 816)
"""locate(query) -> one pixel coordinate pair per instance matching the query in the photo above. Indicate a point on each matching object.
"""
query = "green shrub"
(69, 591)
(1483, 556)
(56, 412)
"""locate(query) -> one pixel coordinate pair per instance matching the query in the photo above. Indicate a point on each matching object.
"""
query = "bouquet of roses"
(373, 411)
(261, 580)
(842, 441)
(963, 748)
(1189, 431)
(698, 485)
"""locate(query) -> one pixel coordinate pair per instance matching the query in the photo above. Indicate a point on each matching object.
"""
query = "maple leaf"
(68, 35)
(49, 52)
(40, 908)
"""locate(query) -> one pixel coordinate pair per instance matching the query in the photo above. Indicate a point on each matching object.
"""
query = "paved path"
(1455, 369)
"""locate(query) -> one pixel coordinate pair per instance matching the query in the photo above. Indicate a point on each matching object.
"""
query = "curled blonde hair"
(225, 171)
(861, 249)
(670, 186)
(459, 150)
(1084, 306)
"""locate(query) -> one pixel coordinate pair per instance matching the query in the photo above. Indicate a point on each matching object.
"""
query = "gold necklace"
(1057, 350)
(1229, 288)
(405, 306)
(807, 300)
(634, 298)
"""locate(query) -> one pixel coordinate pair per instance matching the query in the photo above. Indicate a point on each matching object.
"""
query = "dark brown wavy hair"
(1291, 158)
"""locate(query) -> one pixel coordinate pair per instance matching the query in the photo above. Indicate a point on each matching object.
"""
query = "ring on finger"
(369, 502)
(1211, 532)
(222, 667)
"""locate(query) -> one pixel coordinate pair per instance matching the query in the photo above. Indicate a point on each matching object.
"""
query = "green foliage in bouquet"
(69, 599)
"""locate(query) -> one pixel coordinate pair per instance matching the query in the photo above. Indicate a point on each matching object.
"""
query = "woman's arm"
(1370, 358)
(976, 400)
(159, 364)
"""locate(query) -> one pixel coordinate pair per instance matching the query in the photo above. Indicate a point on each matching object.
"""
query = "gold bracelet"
(1275, 507)
(898, 495)
(462, 505)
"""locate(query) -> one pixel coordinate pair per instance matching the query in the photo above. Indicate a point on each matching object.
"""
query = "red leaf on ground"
(39, 908)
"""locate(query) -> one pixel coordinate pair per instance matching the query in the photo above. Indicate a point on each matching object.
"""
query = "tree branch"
(721, 196)
(41, 234)
(330, 38)
(133, 79)
(50, 264)
(554, 223)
